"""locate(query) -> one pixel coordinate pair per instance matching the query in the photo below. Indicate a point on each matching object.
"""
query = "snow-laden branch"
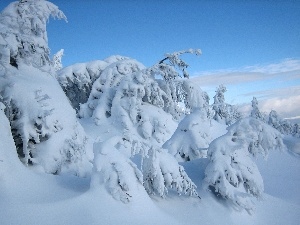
(176, 62)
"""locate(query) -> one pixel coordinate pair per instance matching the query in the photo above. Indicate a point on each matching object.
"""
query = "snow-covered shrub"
(77, 80)
(117, 172)
(23, 32)
(191, 138)
(232, 173)
(161, 172)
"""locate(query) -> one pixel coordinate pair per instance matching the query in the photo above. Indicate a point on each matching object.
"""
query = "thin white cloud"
(288, 69)
(229, 78)
(277, 86)
(287, 107)
(284, 66)
(276, 93)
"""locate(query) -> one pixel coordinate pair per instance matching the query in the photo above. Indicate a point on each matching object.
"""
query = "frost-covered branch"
(57, 60)
(162, 172)
(176, 62)
(117, 173)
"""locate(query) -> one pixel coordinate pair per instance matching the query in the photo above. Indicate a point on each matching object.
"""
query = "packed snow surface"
(29, 196)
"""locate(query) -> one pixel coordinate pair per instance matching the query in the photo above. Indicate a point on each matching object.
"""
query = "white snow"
(122, 147)
(32, 197)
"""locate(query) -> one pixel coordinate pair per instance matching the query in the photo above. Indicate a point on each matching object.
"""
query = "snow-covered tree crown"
(23, 35)
(255, 113)
(223, 112)
(219, 97)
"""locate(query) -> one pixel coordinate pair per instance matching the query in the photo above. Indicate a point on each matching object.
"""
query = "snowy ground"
(31, 197)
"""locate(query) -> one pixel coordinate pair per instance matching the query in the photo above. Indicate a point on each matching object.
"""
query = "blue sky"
(230, 33)
(236, 37)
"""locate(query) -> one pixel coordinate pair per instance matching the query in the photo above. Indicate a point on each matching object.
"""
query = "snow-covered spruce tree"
(223, 112)
(274, 119)
(286, 127)
(232, 173)
(57, 64)
(132, 99)
(23, 32)
(219, 105)
(283, 126)
(255, 113)
(77, 80)
(45, 130)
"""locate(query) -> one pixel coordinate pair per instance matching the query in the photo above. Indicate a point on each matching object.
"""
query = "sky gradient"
(230, 33)
(235, 37)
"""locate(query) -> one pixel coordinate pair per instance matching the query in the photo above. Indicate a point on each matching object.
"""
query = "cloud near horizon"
(276, 86)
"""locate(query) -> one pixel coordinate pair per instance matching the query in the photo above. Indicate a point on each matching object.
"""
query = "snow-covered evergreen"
(142, 108)
(23, 32)
(46, 131)
(222, 111)
(77, 80)
(141, 126)
(255, 112)
(57, 64)
(232, 173)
